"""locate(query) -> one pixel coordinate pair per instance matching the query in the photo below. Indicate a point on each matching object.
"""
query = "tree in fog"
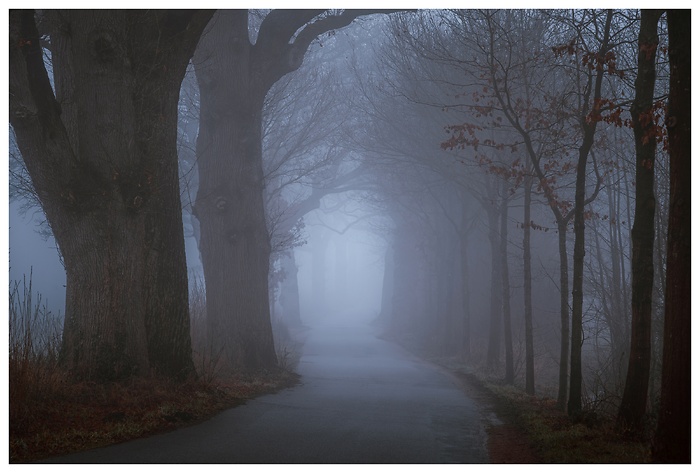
(235, 73)
(528, 89)
(515, 86)
(401, 135)
(99, 147)
(672, 438)
(599, 59)
(633, 406)
(305, 156)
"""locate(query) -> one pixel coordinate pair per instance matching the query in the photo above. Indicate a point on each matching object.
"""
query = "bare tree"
(634, 400)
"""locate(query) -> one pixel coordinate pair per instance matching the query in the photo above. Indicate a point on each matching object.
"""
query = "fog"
(352, 267)
(34, 255)
(404, 192)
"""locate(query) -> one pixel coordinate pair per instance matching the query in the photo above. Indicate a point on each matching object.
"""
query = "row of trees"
(528, 99)
(98, 137)
(562, 114)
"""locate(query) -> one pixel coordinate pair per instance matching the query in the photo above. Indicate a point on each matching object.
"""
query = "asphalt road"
(361, 400)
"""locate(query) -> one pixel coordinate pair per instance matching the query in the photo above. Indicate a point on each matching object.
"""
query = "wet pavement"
(361, 400)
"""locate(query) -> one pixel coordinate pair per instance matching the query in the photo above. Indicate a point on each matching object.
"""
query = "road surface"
(361, 400)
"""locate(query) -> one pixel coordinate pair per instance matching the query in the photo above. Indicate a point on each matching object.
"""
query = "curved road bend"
(361, 400)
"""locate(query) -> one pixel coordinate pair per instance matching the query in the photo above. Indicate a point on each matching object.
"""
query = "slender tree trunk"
(563, 313)
(505, 287)
(575, 380)
(464, 270)
(589, 128)
(387, 286)
(672, 438)
(104, 165)
(494, 348)
(616, 316)
(340, 264)
(527, 290)
(633, 406)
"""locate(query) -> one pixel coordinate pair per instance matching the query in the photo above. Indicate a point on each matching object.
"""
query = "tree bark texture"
(672, 439)
(633, 406)
(234, 76)
(234, 245)
(103, 159)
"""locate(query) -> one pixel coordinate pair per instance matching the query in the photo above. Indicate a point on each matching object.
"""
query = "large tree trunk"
(633, 406)
(672, 438)
(235, 245)
(234, 76)
(104, 164)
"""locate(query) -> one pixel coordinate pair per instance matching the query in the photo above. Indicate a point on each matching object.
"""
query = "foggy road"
(361, 400)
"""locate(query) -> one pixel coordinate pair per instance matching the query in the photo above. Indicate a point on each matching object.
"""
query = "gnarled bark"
(102, 156)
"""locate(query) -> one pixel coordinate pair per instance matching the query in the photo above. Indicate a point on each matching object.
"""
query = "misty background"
(395, 191)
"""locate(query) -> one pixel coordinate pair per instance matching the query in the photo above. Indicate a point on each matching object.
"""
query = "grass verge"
(553, 435)
(83, 416)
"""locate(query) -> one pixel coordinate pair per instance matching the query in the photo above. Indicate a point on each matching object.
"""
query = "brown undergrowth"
(535, 430)
(532, 429)
(51, 415)
(81, 416)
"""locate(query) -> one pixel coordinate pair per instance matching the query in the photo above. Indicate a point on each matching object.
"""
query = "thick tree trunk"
(672, 438)
(234, 76)
(235, 245)
(633, 406)
(105, 167)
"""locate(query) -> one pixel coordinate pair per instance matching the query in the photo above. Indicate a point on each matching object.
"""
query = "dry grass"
(557, 438)
(49, 415)
(552, 436)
